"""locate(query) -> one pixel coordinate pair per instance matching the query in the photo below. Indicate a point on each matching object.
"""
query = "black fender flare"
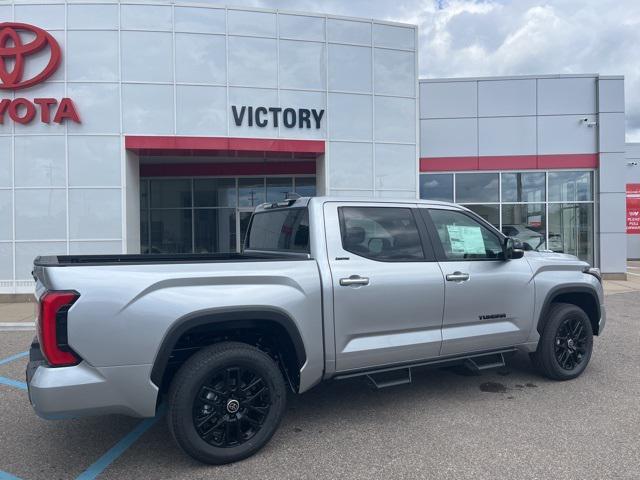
(555, 292)
(239, 318)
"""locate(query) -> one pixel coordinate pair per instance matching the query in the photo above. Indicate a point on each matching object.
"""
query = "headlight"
(593, 271)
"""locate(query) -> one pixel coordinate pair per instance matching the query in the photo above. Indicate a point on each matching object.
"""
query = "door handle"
(457, 277)
(354, 280)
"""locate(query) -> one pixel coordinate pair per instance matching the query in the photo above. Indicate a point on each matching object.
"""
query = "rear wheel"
(226, 402)
(566, 343)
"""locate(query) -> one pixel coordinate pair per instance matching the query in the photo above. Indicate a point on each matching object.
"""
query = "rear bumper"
(81, 390)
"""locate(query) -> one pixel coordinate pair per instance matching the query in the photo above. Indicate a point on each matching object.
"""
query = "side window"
(463, 238)
(381, 233)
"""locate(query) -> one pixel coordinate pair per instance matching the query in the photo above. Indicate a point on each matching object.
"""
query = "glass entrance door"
(207, 214)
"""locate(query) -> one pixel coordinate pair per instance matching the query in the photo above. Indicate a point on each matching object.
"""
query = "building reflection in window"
(545, 210)
(207, 215)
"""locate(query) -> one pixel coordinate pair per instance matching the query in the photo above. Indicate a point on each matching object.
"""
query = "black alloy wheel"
(231, 407)
(226, 402)
(571, 343)
(565, 344)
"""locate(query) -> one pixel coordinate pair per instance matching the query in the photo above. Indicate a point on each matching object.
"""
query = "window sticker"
(466, 240)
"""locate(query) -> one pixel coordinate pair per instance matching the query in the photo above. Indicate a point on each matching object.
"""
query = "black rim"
(231, 406)
(571, 343)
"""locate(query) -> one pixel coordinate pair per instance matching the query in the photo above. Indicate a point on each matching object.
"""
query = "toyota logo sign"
(19, 42)
(12, 47)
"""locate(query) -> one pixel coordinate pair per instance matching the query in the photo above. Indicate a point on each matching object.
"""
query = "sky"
(461, 38)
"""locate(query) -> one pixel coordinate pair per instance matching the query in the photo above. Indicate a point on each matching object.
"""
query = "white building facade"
(261, 104)
(540, 157)
(157, 128)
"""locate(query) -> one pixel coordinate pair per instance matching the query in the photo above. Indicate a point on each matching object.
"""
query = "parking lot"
(508, 423)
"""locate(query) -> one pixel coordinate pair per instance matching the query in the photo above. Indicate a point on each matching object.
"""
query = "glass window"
(144, 231)
(570, 186)
(525, 223)
(214, 192)
(523, 187)
(436, 187)
(491, 213)
(381, 233)
(250, 192)
(279, 188)
(200, 215)
(171, 231)
(463, 238)
(215, 230)
(286, 229)
(306, 186)
(144, 194)
(477, 187)
(571, 229)
(170, 193)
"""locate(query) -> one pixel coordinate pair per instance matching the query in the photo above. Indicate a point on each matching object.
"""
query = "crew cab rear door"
(388, 289)
(489, 301)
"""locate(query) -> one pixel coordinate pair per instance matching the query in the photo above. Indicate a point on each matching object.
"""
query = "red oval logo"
(12, 49)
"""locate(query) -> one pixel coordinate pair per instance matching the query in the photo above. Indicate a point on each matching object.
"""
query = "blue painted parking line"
(12, 358)
(12, 383)
(119, 448)
(7, 476)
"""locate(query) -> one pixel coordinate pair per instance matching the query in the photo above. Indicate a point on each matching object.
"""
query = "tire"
(226, 402)
(566, 343)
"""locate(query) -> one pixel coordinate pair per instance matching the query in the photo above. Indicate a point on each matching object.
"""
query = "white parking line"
(17, 326)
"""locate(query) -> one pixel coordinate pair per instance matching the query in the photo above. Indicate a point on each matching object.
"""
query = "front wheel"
(226, 402)
(566, 343)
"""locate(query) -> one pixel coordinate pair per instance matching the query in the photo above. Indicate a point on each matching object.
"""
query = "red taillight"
(52, 328)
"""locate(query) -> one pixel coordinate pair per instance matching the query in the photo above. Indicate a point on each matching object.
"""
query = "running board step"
(479, 364)
(390, 378)
(400, 374)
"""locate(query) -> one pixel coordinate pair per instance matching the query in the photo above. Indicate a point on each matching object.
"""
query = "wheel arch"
(581, 296)
(233, 324)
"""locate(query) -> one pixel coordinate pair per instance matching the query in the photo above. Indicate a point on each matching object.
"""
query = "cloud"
(502, 37)
(471, 38)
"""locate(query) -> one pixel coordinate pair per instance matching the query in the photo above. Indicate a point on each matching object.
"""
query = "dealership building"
(154, 127)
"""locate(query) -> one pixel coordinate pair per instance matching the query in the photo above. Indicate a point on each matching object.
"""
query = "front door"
(489, 301)
(388, 291)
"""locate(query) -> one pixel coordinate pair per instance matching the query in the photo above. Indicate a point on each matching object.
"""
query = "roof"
(522, 77)
(305, 201)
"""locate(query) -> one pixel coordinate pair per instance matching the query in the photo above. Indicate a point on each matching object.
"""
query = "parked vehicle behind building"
(326, 288)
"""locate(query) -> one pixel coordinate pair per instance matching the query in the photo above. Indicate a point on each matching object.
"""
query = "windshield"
(279, 230)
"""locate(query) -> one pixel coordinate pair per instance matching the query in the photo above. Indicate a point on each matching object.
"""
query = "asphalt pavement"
(508, 423)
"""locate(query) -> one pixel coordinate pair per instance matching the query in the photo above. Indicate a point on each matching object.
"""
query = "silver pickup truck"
(326, 288)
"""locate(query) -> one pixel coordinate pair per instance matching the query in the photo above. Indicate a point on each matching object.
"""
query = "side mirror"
(526, 246)
(511, 250)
